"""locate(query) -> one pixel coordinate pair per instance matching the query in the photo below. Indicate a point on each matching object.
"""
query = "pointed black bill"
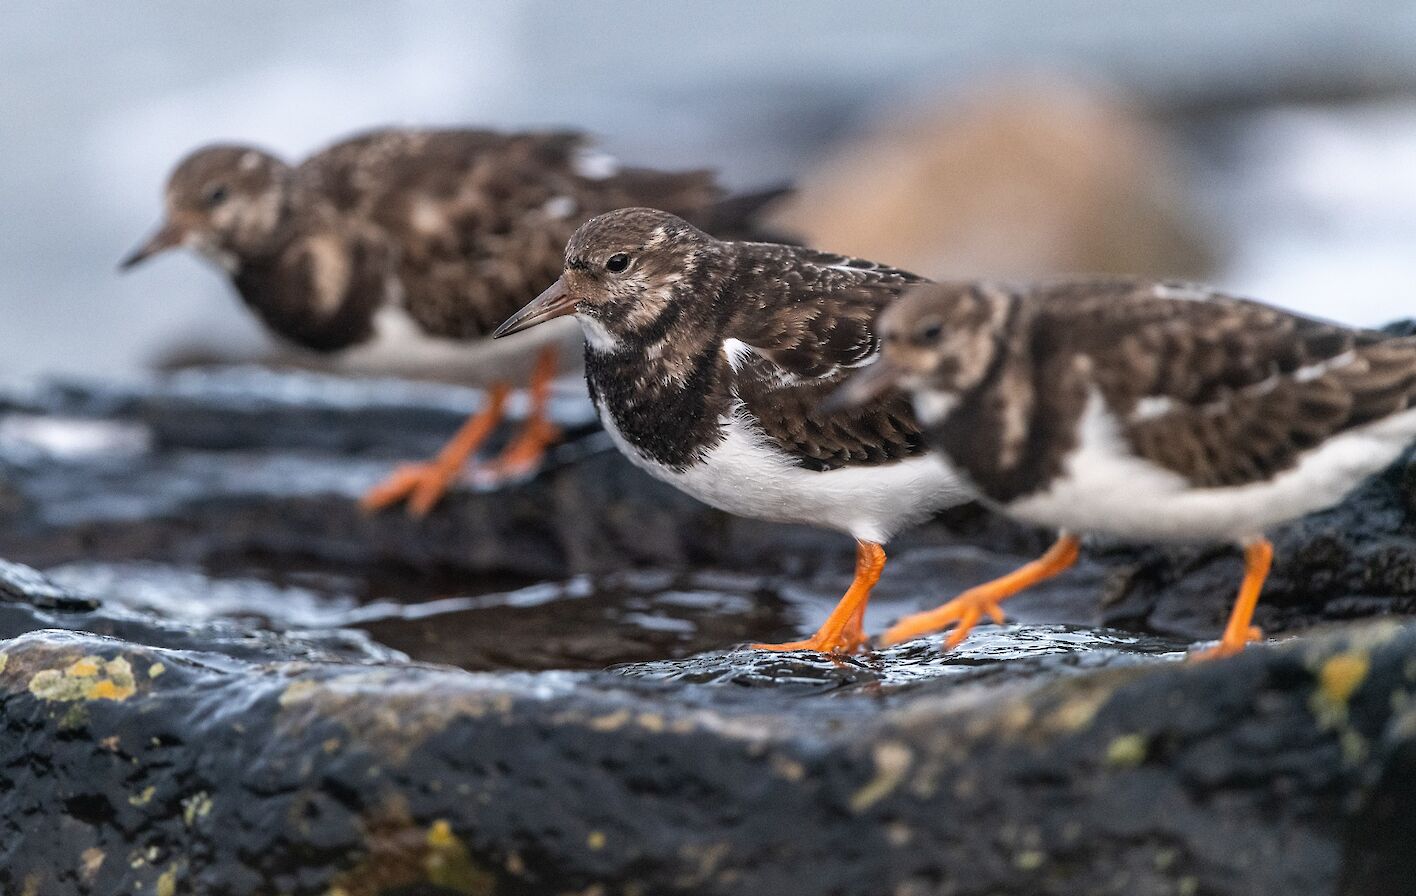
(167, 236)
(867, 384)
(556, 301)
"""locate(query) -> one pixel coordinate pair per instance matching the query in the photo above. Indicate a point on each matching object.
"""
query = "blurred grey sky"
(99, 99)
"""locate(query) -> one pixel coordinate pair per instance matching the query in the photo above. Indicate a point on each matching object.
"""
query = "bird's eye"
(215, 195)
(616, 263)
(930, 332)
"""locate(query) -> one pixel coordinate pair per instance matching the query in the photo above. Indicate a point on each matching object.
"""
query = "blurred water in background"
(1293, 122)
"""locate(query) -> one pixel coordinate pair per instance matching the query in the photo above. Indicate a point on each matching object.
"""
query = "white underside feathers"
(747, 476)
(1107, 489)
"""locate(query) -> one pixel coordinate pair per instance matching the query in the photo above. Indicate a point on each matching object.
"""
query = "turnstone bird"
(1145, 411)
(424, 237)
(706, 360)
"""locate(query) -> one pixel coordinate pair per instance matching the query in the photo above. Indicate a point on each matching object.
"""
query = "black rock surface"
(230, 680)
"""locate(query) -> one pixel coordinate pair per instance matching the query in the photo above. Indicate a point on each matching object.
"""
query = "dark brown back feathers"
(1221, 390)
(715, 329)
(469, 224)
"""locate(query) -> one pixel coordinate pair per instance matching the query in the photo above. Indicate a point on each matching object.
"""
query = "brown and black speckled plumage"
(804, 320)
(461, 227)
(1220, 390)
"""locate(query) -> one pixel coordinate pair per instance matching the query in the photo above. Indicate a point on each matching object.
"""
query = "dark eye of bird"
(617, 263)
(929, 333)
(216, 195)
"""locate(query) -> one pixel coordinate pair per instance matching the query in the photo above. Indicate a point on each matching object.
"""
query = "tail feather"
(739, 216)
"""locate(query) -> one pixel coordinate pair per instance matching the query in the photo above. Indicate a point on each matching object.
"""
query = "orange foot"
(423, 485)
(842, 639)
(1258, 557)
(969, 608)
(843, 632)
(1228, 648)
(525, 453)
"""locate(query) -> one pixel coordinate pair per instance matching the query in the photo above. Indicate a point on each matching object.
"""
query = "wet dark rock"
(229, 680)
(126, 767)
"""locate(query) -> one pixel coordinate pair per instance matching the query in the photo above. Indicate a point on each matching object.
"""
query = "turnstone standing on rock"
(706, 360)
(428, 238)
(1149, 411)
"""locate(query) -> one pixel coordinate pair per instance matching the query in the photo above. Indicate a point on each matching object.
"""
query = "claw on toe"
(969, 608)
(1228, 646)
(843, 632)
(844, 643)
(1258, 555)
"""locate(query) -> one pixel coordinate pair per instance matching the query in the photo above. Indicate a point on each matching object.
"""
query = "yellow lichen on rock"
(1339, 677)
(892, 761)
(86, 667)
(450, 865)
(88, 678)
(400, 854)
(1342, 675)
(1126, 751)
(92, 859)
(167, 882)
(196, 806)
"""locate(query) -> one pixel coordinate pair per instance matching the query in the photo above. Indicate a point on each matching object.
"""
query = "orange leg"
(538, 432)
(970, 607)
(1258, 557)
(843, 631)
(424, 484)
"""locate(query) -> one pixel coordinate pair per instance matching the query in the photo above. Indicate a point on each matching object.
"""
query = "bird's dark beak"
(864, 386)
(556, 301)
(166, 237)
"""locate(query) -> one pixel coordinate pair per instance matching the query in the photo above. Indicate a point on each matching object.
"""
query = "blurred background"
(1266, 146)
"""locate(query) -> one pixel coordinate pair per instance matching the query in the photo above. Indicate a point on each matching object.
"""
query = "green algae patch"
(87, 678)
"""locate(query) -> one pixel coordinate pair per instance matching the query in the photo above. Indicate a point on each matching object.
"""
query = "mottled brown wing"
(481, 219)
(809, 323)
(1226, 391)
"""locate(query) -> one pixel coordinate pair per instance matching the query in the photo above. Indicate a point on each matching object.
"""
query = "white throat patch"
(599, 338)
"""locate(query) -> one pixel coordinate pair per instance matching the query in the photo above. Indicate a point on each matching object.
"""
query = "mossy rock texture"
(194, 699)
(126, 767)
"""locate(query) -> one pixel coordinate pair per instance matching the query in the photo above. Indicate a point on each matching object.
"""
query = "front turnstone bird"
(706, 360)
(428, 238)
(1144, 411)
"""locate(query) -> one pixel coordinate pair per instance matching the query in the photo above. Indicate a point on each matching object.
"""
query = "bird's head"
(624, 271)
(225, 202)
(938, 342)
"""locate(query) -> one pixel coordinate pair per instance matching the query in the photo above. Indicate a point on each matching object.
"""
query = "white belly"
(745, 476)
(401, 347)
(1107, 489)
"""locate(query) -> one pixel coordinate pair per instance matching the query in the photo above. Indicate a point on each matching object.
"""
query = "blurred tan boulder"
(1023, 180)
